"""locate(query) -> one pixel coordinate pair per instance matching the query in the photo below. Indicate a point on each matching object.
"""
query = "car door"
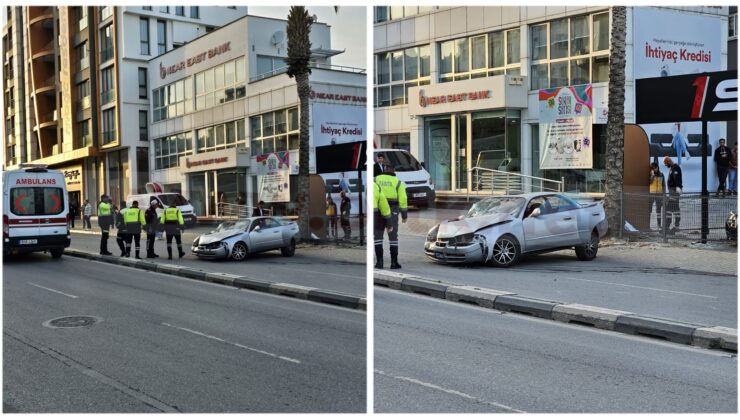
(534, 227)
(273, 230)
(257, 236)
(552, 228)
(564, 221)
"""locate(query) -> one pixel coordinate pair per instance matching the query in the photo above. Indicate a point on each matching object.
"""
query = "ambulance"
(35, 211)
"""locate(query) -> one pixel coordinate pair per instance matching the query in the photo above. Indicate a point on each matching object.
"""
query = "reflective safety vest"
(104, 209)
(134, 220)
(394, 191)
(171, 215)
(380, 203)
(105, 217)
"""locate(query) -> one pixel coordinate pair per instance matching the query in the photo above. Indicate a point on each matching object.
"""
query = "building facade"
(222, 104)
(73, 63)
(459, 87)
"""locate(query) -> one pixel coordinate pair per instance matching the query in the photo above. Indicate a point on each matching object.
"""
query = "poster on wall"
(660, 50)
(273, 177)
(565, 127)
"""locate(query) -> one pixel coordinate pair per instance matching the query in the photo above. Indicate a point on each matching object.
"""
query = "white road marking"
(241, 346)
(642, 287)
(449, 391)
(52, 290)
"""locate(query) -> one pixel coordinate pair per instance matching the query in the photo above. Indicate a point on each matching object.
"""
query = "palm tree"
(299, 54)
(615, 123)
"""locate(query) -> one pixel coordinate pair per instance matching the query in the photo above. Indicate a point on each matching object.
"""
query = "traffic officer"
(134, 219)
(105, 220)
(152, 221)
(395, 192)
(382, 217)
(173, 224)
(121, 235)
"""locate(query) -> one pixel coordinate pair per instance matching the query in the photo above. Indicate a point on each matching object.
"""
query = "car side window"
(557, 204)
(271, 223)
(534, 203)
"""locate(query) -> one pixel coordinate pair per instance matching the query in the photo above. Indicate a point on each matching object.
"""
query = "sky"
(348, 29)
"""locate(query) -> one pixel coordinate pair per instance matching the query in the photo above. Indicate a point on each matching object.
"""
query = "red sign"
(454, 97)
(34, 181)
(189, 163)
(168, 70)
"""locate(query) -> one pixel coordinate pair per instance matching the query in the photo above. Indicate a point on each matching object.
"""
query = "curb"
(705, 336)
(233, 280)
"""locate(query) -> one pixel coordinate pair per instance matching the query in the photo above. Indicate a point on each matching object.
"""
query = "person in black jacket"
(259, 210)
(121, 235)
(722, 157)
(675, 189)
(379, 166)
(344, 211)
(152, 223)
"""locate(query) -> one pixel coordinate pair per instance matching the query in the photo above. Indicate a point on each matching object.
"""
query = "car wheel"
(588, 252)
(289, 250)
(56, 253)
(239, 252)
(506, 252)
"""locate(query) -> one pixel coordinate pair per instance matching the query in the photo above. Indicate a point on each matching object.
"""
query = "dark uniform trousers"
(104, 222)
(151, 235)
(378, 231)
(393, 235)
(172, 229)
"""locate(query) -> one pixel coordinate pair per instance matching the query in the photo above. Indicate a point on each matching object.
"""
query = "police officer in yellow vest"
(134, 219)
(105, 220)
(382, 218)
(173, 223)
(395, 192)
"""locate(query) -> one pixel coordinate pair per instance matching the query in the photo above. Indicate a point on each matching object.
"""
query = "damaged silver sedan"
(498, 230)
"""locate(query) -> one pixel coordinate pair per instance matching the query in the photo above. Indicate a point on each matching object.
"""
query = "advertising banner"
(273, 177)
(565, 127)
(335, 124)
(670, 43)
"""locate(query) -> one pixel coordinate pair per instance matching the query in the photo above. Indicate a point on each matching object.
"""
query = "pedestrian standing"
(732, 173)
(173, 223)
(134, 219)
(331, 215)
(382, 222)
(395, 192)
(105, 220)
(344, 209)
(86, 215)
(722, 157)
(657, 190)
(121, 235)
(73, 212)
(675, 189)
(260, 210)
(379, 165)
(152, 225)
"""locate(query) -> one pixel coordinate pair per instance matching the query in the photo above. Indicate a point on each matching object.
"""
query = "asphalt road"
(436, 356)
(654, 286)
(171, 344)
(340, 269)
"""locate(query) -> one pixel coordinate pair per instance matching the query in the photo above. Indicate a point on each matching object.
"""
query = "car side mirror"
(536, 212)
(257, 228)
(423, 165)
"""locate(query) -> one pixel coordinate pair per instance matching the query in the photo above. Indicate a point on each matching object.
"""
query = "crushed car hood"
(218, 236)
(454, 228)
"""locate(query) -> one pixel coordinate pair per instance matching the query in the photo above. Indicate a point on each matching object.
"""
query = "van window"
(402, 161)
(36, 201)
(171, 200)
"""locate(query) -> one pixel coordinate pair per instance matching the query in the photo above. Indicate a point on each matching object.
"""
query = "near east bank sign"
(494, 92)
(165, 71)
(453, 97)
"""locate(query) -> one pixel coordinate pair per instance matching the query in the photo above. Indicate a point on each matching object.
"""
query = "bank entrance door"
(438, 151)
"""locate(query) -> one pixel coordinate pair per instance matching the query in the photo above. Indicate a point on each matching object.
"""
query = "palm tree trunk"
(303, 158)
(615, 123)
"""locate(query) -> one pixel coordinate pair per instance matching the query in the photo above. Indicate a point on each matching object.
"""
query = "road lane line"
(100, 377)
(642, 287)
(448, 391)
(241, 346)
(52, 290)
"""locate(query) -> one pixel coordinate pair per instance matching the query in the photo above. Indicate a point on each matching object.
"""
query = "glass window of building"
(539, 42)
(109, 125)
(81, 17)
(601, 32)
(397, 71)
(579, 36)
(558, 39)
(168, 150)
(83, 56)
(173, 100)
(479, 56)
(83, 131)
(195, 12)
(161, 37)
(143, 126)
(513, 47)
(396, 141)
(220, 84)
(107, 86)
(164, 9)
(83, 95)
(106, 43)
(143, 89)
(274, 131)
(147, 8)
(144, 35)
(381, 13)
(221, 136)
(180, 10)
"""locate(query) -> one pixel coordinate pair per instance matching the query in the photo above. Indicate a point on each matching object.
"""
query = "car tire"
(588, 252)
(239, 251)
(506, 252)
(56, 253)
(289, 250)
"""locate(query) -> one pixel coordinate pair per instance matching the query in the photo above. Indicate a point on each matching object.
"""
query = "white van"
(166, 200)
(419, 187)
(35, 211)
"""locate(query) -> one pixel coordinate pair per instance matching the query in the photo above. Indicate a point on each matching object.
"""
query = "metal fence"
(672, 217)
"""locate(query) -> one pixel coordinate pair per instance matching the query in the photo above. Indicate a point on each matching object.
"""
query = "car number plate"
(420, 194)
(28, 241)
(438, 255)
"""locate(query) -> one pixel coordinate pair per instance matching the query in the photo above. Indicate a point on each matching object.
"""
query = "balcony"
(86, 140)
(48, 120)
(106, 54)
(82, 24)
(109, 136)
(84, 63)
(106, 12)
(83, 103)
(107, 96)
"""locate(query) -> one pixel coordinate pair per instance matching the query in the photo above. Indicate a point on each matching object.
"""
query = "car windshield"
(401, 161)
(171, 200)
(497, 205)
(241, 225)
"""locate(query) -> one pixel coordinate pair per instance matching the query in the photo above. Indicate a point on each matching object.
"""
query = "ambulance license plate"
(28, 241)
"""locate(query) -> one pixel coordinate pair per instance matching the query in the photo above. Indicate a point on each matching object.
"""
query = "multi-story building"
(223, 102)
(79, 66)
(458, 86)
